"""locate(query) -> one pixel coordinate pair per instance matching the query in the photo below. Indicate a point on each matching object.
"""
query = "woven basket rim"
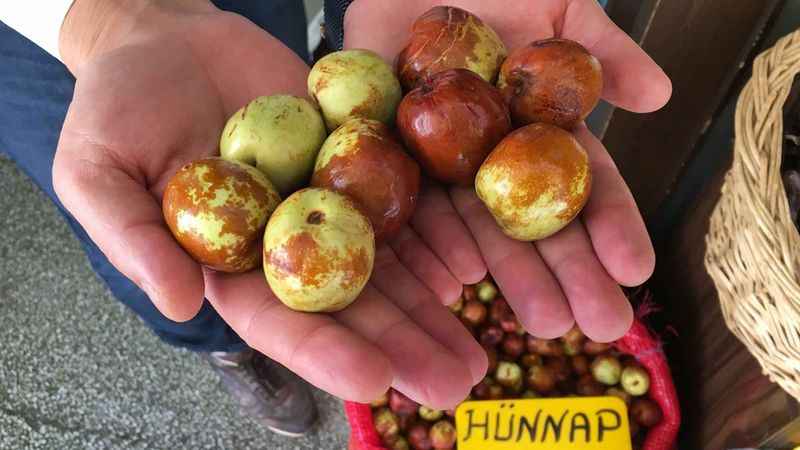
(753, 246)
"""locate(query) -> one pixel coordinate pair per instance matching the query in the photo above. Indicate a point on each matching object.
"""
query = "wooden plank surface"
(700, 44)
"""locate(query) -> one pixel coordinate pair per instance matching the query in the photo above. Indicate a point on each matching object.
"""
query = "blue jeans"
(35, 91)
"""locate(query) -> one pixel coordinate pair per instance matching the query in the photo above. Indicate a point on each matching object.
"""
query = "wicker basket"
(753, 248)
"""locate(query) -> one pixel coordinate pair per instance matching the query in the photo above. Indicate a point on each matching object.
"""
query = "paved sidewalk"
(79, 371)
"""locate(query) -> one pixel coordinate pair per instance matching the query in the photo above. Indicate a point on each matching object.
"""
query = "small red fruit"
(406, 422)
(580, 364)
(587, 386)
(495, 392)
(544, 347)
(451, 122)
(363, 160)
(402, 405)
(595, 348)
(510, 324)
(474, 312)
(446, 37)
(491, 336)
(541, 379)
(529, 360)
(645, 412)
(443, 435)
(555, 81)
(499, 311)
(418, 437)
(481, 390)
(513, 345)
(469, 293)
(491, 354)
(560, 367)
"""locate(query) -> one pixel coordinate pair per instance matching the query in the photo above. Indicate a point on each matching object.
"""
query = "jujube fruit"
(451, 122)
(318, 251)
(555, 81)
(401, 405)
(645, 412)
(278, 134)
(354, 83)
(217, 210)
(535, 181)
(364, 161)
(444, 38)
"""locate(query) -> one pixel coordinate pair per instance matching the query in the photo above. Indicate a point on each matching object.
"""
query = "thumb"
(125, 221)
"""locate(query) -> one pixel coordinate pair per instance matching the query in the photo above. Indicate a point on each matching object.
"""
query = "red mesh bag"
(638, 342)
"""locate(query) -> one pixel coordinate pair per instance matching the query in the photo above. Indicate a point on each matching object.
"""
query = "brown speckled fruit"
(443, 435)
(541, 379)
(451, 122)
(385, 423)
(364, 161)
(217, 211)
(318, 251)
(354, 83)
(543, 347)
(446, 37)
(554, 81)
(535, 181)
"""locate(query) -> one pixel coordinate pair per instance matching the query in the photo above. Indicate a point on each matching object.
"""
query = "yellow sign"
(578, 423)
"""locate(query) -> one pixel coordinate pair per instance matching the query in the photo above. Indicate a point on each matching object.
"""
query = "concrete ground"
(79, 371)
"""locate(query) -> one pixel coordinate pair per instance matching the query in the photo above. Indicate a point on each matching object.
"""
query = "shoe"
(266, 390)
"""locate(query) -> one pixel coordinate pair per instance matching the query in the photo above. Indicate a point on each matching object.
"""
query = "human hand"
(574, 275)
(152, 94)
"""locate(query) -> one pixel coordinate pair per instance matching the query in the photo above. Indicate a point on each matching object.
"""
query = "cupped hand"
(157, 99)
(574, 275)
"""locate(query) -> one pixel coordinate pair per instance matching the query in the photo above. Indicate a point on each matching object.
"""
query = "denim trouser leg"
(35, 91)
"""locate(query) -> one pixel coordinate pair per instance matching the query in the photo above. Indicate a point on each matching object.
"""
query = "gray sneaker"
(266, 390)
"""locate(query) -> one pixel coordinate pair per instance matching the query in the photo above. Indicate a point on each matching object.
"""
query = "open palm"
(158, 101)
(573, 276)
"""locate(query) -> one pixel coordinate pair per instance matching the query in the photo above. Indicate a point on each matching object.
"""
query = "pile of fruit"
(520, 366)
(457, 105)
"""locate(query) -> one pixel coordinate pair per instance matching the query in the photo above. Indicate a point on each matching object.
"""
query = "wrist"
(93, 27)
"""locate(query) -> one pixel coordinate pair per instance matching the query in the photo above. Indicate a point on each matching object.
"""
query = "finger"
(598, 304)
(439, 225)
(314, 346)
(518, 270)
(420, 260)
(134, 238)
(632, 80)
(393, 280)
(423, 369)
(616, 228)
